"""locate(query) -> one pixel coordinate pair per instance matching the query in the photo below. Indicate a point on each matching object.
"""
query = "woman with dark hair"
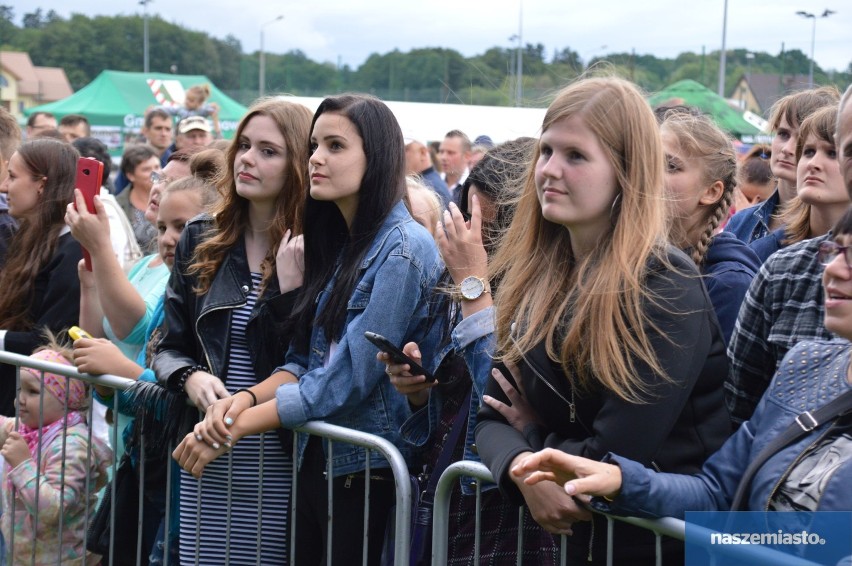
(224, 308)
(138, 164)
(368, 267)
(39, 283)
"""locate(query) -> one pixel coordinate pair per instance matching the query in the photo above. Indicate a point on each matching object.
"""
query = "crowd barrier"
(661, 527)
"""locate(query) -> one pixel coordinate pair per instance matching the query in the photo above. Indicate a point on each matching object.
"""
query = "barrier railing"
(666, 526)
(328, 431)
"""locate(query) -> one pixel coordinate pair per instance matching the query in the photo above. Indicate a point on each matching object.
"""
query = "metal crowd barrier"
(325, 430)
(661, 527)
(666, 526)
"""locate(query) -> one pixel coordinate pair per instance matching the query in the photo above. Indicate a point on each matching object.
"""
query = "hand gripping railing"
(666, 526)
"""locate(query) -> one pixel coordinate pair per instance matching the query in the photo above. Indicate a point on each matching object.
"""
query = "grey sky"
(349, 31)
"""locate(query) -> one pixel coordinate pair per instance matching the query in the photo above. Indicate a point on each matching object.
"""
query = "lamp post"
(262, 85)
(144, 4)
(814, 17)
(723, 54)
(519, 83)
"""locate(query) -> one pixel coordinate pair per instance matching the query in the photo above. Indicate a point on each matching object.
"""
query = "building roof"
(20, 65)
(46, 84)
(767, 88)
(54, 83)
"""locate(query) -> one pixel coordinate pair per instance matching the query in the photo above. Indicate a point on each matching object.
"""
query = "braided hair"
(701, 139)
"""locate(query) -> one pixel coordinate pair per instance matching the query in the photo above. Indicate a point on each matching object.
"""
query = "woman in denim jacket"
(368, 267)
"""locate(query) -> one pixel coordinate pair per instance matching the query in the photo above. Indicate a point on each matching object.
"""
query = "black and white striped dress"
(260, 490)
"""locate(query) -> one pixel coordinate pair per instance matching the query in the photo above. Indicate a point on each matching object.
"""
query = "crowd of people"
(617, 316)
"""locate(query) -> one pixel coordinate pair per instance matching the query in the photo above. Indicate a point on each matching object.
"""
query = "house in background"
(757, 92)
(23, 85)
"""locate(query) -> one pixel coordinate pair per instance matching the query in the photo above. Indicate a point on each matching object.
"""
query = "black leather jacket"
(198, 327)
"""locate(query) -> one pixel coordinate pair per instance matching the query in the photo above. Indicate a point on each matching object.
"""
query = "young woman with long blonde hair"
(603, 326)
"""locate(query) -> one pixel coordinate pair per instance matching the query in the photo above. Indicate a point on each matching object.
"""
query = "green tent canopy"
(116, 101)
(696, 95)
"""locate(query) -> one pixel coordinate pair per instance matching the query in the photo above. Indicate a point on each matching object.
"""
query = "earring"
(615, 208)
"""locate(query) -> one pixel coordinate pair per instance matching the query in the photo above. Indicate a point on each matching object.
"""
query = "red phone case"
(89, 176)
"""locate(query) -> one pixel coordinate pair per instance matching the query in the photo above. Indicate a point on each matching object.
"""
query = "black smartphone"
(397, 355)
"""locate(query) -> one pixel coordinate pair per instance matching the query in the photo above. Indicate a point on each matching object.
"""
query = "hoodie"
(728, 269)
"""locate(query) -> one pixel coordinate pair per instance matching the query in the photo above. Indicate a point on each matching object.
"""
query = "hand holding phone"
(397, 355)
(75, 332)
(90, 173)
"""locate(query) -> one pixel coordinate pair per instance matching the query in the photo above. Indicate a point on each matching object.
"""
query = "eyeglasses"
(830, 250)
(158, 177)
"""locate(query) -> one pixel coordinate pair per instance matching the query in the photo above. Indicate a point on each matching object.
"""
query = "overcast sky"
(346, 31)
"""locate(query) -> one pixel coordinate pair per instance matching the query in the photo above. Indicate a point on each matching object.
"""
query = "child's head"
(423, 203)
(701, 168)
(754, 176)
(196, 96)
(181, 200)
(55, 389)
(785, 120)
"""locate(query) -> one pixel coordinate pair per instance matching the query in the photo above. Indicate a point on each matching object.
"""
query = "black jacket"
(55, 305)
(198, 327)
(675, 431)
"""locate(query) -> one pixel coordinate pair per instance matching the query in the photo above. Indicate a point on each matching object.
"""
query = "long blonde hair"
(592, 309)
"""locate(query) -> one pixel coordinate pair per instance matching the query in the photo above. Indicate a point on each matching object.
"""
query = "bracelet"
(181, 382)
(250, 392)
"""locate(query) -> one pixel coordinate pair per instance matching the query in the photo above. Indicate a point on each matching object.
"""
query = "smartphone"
(89, 176)
(397, 355)
(75, 332)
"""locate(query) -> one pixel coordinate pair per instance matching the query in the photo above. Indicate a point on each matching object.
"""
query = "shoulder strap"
(804, 423)
(444, 459)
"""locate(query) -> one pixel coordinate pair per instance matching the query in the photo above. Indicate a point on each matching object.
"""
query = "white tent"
(430, 122)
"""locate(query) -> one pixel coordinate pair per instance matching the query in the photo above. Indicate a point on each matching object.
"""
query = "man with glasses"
(785, 303)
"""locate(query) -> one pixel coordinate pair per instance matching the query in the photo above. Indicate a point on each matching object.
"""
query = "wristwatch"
(472, 287)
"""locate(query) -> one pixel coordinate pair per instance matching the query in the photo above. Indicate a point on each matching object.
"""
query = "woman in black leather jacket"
(226, 307)
(606, 330)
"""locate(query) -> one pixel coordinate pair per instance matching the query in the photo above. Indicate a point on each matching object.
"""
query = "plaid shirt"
(783, 307)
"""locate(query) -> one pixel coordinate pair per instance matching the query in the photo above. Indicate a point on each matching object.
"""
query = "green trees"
(84, 46)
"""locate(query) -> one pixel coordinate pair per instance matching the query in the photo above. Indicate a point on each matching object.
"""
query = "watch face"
(472, 288)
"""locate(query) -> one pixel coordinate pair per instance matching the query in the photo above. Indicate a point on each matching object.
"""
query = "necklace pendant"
(572, 412)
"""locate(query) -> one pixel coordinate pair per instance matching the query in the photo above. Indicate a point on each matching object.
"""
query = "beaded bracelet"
(250, 392)
(181, 382)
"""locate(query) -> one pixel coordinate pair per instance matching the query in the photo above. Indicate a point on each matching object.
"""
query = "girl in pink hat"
(50, 471)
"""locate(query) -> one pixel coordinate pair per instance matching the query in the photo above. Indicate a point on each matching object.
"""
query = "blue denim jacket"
(399, 272)
(811, 375)
(473, 338)
(752, 223)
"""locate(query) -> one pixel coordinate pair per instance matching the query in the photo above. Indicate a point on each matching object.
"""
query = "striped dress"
(260, 491)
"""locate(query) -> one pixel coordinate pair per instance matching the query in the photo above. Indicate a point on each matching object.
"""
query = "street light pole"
(804, 14)
(262, 79)
(144, 4)
(723, 55)
(519, 84)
